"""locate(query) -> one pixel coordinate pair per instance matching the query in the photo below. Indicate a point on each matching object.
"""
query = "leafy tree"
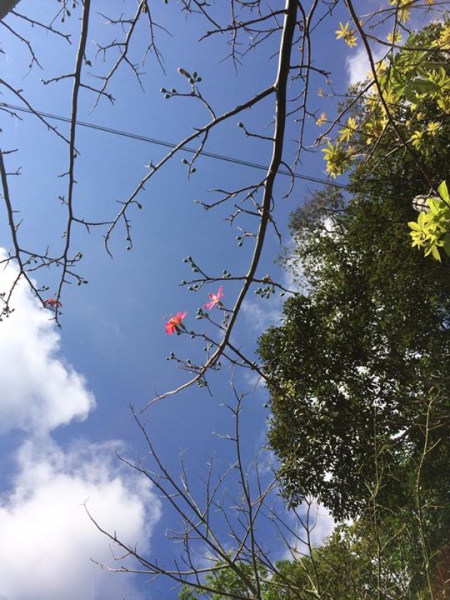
(358, 374)
(405, 109)
(353, 365)
(355, 369)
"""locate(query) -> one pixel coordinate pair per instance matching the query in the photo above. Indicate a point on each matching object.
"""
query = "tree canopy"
(357, 361)
(403, 111)
(358, 372)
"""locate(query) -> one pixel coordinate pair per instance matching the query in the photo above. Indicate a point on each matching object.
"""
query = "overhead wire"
(149, 140)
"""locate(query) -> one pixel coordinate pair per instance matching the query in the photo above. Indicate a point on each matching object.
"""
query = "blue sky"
(66, 392)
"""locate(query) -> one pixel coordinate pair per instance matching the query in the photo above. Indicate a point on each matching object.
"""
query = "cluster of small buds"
(168, 93)
(193, 79)
(265, 292)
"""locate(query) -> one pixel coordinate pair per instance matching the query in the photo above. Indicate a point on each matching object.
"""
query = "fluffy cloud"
(322, 525)
(262, 314)
(47, 538)
(358, 66)
(40, 391)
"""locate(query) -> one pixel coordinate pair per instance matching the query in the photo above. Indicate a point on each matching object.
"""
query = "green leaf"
(443, 192)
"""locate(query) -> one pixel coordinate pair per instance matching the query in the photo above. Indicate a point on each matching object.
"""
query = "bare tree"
(232, 525)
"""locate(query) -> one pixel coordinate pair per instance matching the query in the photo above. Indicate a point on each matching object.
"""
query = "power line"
(149, 140)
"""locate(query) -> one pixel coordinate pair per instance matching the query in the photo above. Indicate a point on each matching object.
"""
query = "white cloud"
(321, 522)
(261, 314)
(47, 538)
(40, 391)
(310, 517)
(358, 66)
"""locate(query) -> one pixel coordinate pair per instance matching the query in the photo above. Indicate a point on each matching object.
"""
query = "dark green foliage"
(354, 366)
(359, 373)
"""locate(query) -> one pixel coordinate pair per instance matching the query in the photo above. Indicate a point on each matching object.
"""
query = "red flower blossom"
(175, 324)
(214, 299)
(52, 303)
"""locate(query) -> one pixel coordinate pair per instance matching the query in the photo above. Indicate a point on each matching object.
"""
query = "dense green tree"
(360, 358)
(358, 372)
(357, 562)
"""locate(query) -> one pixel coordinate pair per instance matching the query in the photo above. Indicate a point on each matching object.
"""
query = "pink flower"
(52, 303)
(214, 299)
(174, 324)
